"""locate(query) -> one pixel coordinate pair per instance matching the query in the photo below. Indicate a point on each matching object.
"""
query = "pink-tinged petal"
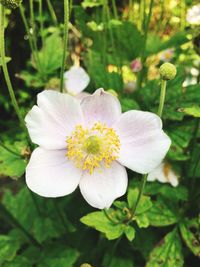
(76, 80)
(82, 95)
(53, 119)
(101, 107)
(164, 174)
(50, 174)
(104, 185)
(143, 142)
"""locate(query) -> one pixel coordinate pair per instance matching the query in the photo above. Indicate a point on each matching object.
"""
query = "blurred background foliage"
(105, 37)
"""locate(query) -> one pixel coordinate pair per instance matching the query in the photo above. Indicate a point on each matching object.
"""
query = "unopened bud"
(11, 4)
(53, 84)
(167, 71)
(85, 265)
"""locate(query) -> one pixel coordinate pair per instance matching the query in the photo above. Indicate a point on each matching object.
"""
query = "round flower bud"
(85, 265)
(11, 4)
(167, 71)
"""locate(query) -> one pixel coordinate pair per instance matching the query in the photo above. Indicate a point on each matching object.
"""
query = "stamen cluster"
(93, 147)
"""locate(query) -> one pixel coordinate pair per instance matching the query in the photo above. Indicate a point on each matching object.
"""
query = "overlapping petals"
(50, 173)
(53, 119)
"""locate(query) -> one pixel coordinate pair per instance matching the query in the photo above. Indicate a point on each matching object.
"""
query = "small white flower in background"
(76, 80)
(88, 143)
(193, 15)
(167, 55)
(136, 65)
(164, 174)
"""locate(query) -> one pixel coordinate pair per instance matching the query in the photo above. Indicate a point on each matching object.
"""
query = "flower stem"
(109, 217)
(65, 41)
(52, 12)
(142, 186)
(41, 21)
(6, 74)
(162, 97)
(32, 40)
(12, 221)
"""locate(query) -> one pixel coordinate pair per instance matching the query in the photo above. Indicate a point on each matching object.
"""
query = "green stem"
(65, 41)
(160, 111)
(109, 217)
(162, 97)
(12, 221)
(32, 41)
(141, 191)
(41, 21)
(6, 74)
(143, 57)
(52, 12)
(115, 10)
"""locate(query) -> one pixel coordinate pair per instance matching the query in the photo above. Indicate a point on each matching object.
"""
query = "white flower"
(76, 80)
(164, 174)
(88, 143)
(193, 15)
(167, 55)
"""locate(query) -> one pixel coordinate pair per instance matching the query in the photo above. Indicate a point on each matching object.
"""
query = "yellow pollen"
(94, 147)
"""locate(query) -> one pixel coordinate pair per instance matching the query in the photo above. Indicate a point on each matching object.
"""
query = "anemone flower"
(164, 174)
(89, 143)
(76, 80)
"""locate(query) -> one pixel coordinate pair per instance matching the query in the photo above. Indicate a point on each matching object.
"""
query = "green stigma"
(92, 144)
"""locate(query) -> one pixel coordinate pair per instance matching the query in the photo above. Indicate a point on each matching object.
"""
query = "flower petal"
(103, 186)
(101, 107)
(76, 80)
(143, 142)
(53, 119)
(164, 174)
(50, 174)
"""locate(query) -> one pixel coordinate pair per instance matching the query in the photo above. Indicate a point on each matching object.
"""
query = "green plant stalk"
(31, 40)
(160, 111)
(6, 74)
(143, 58)
(52, 12)
(41, 21)
(12, 221)
(162, 97)
(114, 7)
(141, 191)
(65, 41)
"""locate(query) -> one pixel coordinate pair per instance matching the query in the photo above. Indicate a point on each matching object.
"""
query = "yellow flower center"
(93, 147)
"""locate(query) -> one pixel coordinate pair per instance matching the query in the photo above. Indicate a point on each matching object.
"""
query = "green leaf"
(44, 229)
(101, 223)
(58, 256)
(192, 111)
(142, 220)
(8, 248)
(12, 164)
(95, 27)
(163, 213)
(50, 57)
(129, 232)
(18, 261)
(91, 3)
(144, 204)
(190, 231)
(167, 253)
